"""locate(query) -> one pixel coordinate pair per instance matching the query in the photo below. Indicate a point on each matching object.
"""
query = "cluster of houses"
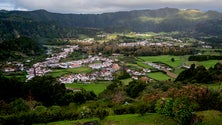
(159, 66)
(42, 68)
(17, 66)
(105, 73)
(160, 42)
(104, 67)
(136, 74)
(147, 43)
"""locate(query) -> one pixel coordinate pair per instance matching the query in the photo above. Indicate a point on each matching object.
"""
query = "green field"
(95, 87)
(136, 119)
(165, 59)
(133, 66)
(207, 64)
(142, 64)
(62, 72)
(129, 119)
(159, 76)
(67, 122)
(126, 81)
(210, 51)
(178, 70)
(210, 117)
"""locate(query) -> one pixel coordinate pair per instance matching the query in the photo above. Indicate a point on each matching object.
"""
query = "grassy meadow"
(209, 117)
(128, 119)
(95, 87)
(62, 72)
(178, 60)
(159, 76)
(207, 64)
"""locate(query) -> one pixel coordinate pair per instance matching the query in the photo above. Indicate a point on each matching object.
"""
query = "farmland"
(61, 72)
(160, 76)
(96, 87)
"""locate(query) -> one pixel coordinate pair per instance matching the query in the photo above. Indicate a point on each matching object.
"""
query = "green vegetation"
(215, 52)
(19, 48)
(96, 87)
(216, 86)
(142, 64)
(113, 102)
(129, 119)
(178, 60)
(194, 97)
(160, 76)
(200, 74)
(210, 117)
(67, 122)
(76, 55)
(126, 81)
(207, 64)
(136, 119)
(62, 72)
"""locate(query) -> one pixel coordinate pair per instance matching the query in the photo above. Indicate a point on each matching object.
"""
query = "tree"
(46, 89)
(10, 89)
(134, 88)
(182, 110)
(165, 106)
(172, 59)
(19, 105)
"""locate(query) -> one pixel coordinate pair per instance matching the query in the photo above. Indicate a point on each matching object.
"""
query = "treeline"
(110, 48)
(204, 57)
(200, 74)
(46, 90)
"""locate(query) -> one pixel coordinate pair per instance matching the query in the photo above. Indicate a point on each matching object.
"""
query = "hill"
(19, 48)
(42, 23)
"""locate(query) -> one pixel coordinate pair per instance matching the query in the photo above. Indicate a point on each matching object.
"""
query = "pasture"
(159, 76)
(178, 60)
(62, 72)
(96, 87)
(207, 64)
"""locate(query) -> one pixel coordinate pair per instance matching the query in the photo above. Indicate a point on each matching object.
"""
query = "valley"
(140, 67)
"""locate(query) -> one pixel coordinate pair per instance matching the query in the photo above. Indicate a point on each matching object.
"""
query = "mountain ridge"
(158, 20)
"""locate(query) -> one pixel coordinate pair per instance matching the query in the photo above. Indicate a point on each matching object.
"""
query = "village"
(102, 68)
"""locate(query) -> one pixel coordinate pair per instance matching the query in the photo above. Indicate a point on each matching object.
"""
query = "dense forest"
(19, 48)
(41, 23)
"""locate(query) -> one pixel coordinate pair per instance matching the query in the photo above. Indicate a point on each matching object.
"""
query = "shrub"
(101, 113)
(164, 106)
(182, 110)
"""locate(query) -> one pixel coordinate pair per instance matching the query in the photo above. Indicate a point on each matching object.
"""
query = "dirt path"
(170, 74)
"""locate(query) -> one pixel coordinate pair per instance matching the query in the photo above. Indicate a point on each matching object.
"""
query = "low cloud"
(101, 6)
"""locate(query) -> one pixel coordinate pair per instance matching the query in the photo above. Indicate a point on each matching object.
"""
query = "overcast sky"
(102, 6)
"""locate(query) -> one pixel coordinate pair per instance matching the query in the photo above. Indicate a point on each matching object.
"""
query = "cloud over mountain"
(101, 6)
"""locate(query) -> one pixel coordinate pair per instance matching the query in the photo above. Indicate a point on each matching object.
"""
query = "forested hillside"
(41, 23)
